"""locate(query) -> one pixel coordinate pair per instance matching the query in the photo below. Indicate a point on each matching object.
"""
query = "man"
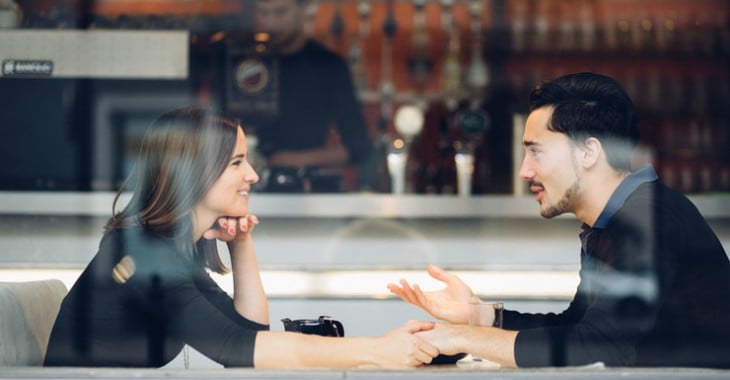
(315, 93)
(654, 279)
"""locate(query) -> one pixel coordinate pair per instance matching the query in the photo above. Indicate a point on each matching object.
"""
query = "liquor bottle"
(477, 77)
(518, 25)
(542, 28)
(420, 63)
(310, 17)
(587, 28)
(451, 74)
(336, 35)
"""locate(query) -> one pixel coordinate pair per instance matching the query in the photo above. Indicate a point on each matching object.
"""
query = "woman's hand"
(232, 229)
(401, 348)
(444, 337)
(449, 304)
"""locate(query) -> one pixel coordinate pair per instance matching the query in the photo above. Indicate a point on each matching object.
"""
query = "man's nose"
(526, 171)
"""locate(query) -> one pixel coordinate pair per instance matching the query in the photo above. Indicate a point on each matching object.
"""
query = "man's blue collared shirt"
(644, 174)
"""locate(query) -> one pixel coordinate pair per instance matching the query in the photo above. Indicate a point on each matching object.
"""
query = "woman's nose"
(251, 176)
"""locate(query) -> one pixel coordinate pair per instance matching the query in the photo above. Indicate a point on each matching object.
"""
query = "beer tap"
(355, 50)
(471, 124)
(386, 88)
(408, 123)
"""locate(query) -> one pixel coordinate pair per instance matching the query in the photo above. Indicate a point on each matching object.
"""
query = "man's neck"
(597, 191)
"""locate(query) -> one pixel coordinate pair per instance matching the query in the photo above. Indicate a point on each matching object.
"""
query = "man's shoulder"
(654, 200)
(657, 194)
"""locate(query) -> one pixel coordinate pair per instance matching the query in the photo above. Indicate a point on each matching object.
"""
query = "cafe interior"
(442, 91)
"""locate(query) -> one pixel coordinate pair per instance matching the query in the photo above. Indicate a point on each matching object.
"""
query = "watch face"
(251, 76)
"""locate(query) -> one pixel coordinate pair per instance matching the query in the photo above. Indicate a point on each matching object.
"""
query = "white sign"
(113, 54)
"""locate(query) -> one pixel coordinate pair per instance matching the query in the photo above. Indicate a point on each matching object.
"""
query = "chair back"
(27, 313)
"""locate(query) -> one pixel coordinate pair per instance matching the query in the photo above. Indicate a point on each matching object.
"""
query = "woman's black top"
(139, 301)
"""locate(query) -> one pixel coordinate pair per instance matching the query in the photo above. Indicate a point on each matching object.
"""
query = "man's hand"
(449, 304)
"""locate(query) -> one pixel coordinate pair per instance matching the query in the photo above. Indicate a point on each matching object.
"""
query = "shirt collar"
(644, 174)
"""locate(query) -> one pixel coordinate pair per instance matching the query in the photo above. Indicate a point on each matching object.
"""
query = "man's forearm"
(491, 343)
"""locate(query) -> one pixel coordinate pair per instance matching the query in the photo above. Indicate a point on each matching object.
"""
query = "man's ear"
(591, 152)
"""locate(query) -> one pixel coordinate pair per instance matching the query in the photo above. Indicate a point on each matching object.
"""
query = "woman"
(146, 293)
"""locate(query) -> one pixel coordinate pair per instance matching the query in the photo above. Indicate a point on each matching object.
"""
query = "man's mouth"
(536, 189)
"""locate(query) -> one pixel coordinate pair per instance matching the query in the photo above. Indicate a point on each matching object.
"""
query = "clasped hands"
(450, 304)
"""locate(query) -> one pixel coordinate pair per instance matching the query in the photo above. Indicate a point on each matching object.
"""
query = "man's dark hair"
(591, 105)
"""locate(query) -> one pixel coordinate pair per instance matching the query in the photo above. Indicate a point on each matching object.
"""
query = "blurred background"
(445, 57)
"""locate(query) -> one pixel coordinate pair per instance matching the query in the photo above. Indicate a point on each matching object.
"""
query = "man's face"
(550, 165)
(282, 19)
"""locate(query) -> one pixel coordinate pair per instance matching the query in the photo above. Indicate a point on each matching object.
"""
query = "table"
(428, 372)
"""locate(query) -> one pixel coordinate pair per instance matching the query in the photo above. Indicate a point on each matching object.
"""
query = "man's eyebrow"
(528, 143)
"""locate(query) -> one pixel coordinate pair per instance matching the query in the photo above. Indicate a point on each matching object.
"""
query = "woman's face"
(229, 194)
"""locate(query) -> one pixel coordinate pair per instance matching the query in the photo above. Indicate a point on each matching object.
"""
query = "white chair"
(27, 313)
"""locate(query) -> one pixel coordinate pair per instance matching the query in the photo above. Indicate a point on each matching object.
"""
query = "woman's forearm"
(249, 297)
(276, 349)
(398, 348)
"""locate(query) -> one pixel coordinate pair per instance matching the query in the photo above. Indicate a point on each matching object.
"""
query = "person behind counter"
(315, 93)
(654, 279)
(146, 293)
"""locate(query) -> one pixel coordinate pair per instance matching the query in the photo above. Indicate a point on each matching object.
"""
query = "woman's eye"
(237, 162)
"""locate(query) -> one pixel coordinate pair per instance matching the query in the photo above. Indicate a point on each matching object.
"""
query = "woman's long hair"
(182, 154)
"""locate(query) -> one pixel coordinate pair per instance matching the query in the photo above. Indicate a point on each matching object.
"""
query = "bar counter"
(427, 372)
(346, 205)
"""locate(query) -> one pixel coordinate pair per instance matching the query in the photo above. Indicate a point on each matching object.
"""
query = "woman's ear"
(591, 152)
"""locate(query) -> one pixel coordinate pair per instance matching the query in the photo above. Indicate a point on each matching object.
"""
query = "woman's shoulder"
(136, 238)
(146, 249)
